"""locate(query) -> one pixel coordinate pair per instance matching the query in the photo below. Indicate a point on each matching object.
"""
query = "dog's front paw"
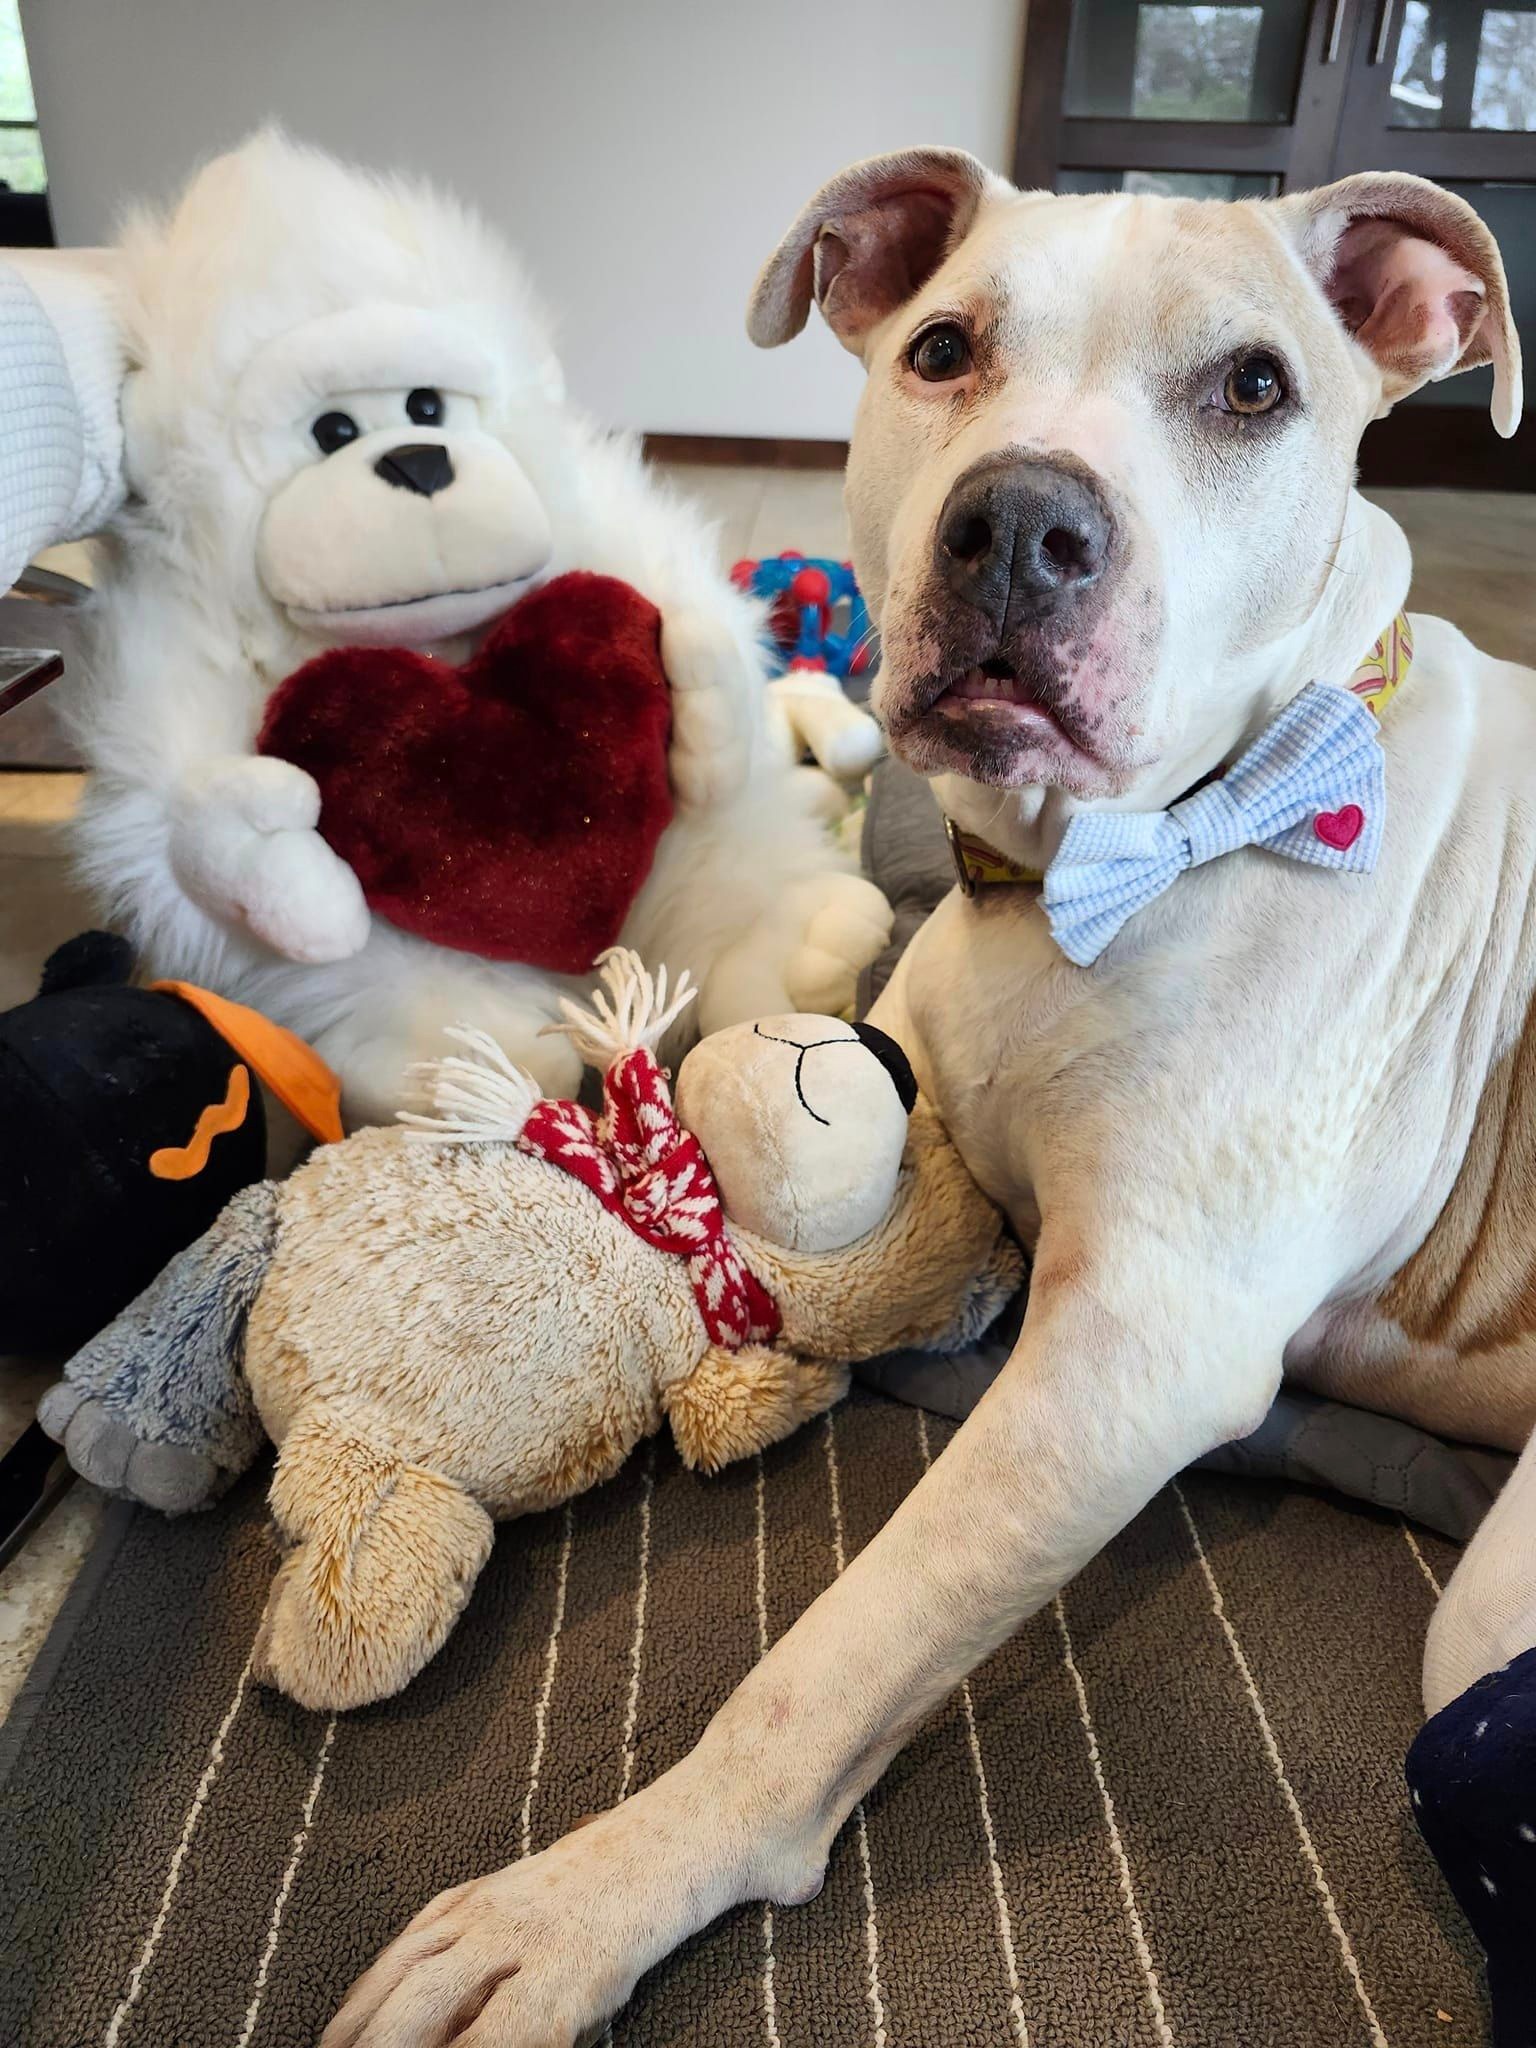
(244, 845)
(712, 684)
(539, 1955)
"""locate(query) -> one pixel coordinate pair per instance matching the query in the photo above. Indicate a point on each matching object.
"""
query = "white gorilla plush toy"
(300, 335)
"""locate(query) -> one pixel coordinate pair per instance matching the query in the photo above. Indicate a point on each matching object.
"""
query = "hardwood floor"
(1474, 563)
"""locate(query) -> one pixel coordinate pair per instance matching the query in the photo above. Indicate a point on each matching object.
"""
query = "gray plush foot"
(57, 1406)
(105, 1450)
(155, 1406)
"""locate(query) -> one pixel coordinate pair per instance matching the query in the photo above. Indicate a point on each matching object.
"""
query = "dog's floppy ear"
(1416, 277)
(866, 242)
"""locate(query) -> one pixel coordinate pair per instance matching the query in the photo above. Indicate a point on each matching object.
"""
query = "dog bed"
(1373, 1457)
(1170, 1810)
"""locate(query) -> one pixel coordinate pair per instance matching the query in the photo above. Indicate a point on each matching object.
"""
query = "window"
(21, 152)
(1195, 63)
(1504, 84)
(1171, 184)
(1163, 60)
(1462, 66)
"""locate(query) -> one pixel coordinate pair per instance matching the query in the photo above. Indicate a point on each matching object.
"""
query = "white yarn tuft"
(481, 1099)
(633, 1010)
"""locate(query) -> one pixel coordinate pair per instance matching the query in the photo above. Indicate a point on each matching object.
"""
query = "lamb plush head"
(841, 1189)
(336, 381)
(804, 1123)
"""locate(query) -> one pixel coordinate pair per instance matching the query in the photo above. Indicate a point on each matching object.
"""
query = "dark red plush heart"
(510, 807)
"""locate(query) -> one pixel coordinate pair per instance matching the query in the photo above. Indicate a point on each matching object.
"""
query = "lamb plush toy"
(480, 1312)
(343, 427)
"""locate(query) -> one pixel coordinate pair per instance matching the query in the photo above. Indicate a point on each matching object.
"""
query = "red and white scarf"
(647, 1170)
(636, 1157)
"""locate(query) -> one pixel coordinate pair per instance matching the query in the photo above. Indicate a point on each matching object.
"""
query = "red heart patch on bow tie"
(510, 807)
(1340, 829)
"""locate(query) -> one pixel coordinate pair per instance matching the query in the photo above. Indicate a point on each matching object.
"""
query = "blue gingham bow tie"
(1310, 787)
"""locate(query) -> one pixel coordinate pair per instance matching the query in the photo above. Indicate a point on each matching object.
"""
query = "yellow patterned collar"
(1376, 682)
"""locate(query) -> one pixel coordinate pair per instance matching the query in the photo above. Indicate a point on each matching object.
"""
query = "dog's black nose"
(1019, 539)
(420, 466)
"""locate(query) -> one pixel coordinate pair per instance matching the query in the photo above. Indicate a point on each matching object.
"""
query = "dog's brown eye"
(941, 354)
(1253, 385)
(424, 407)
(334, 430)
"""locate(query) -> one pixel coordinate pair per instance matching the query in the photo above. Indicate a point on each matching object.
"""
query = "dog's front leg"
(1112, 1388)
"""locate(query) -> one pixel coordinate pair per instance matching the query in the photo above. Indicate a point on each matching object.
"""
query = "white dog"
(1101, 487)
(291, 327)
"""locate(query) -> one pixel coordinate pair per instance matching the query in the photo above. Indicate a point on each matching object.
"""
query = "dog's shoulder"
(1452, 680)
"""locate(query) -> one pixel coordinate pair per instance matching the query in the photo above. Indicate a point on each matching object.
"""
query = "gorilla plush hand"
(244, 845)
(713, 685)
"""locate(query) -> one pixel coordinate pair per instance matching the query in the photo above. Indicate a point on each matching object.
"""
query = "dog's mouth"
(1028, 703)
(1018, 717)
(413, 621)
(1009, 718)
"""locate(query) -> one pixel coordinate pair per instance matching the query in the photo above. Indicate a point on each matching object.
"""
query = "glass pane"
(21, 160)
(1510, 211)
(1460, 65)
(1151, 60)
(15, 85)
(1171, 184)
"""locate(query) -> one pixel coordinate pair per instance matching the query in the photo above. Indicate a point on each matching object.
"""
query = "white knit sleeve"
(62, 362)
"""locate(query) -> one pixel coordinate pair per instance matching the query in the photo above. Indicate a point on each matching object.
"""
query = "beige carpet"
(1170, 1812)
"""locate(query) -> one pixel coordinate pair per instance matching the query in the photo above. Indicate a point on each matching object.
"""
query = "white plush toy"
(344, 425)
(831, 742)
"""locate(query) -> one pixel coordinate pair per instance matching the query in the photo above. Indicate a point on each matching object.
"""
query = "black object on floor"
(1472, 1774)
(34, 1477)
(129, 1122)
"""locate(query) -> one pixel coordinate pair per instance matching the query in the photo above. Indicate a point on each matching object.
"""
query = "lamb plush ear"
(867, 242)
(1417, 279)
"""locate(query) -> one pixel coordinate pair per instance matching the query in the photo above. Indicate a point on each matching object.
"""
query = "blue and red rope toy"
(806, 594)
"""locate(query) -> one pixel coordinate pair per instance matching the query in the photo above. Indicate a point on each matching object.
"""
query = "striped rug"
(1170, 1812)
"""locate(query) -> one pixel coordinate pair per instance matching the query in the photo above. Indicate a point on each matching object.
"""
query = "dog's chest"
(1003, 1032)
(1294, 1080)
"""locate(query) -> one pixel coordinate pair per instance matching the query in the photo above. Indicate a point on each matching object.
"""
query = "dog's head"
(1104, 453)
(333, 375)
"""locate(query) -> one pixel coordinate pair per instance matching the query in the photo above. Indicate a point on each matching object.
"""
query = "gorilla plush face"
(394, 510)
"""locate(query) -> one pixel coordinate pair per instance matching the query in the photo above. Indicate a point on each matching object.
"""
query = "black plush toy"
(128, 1117)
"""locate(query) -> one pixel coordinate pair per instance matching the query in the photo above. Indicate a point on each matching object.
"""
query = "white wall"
(645, 157)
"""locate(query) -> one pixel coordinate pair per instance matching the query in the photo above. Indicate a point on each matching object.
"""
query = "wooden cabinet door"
(1226, 100)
